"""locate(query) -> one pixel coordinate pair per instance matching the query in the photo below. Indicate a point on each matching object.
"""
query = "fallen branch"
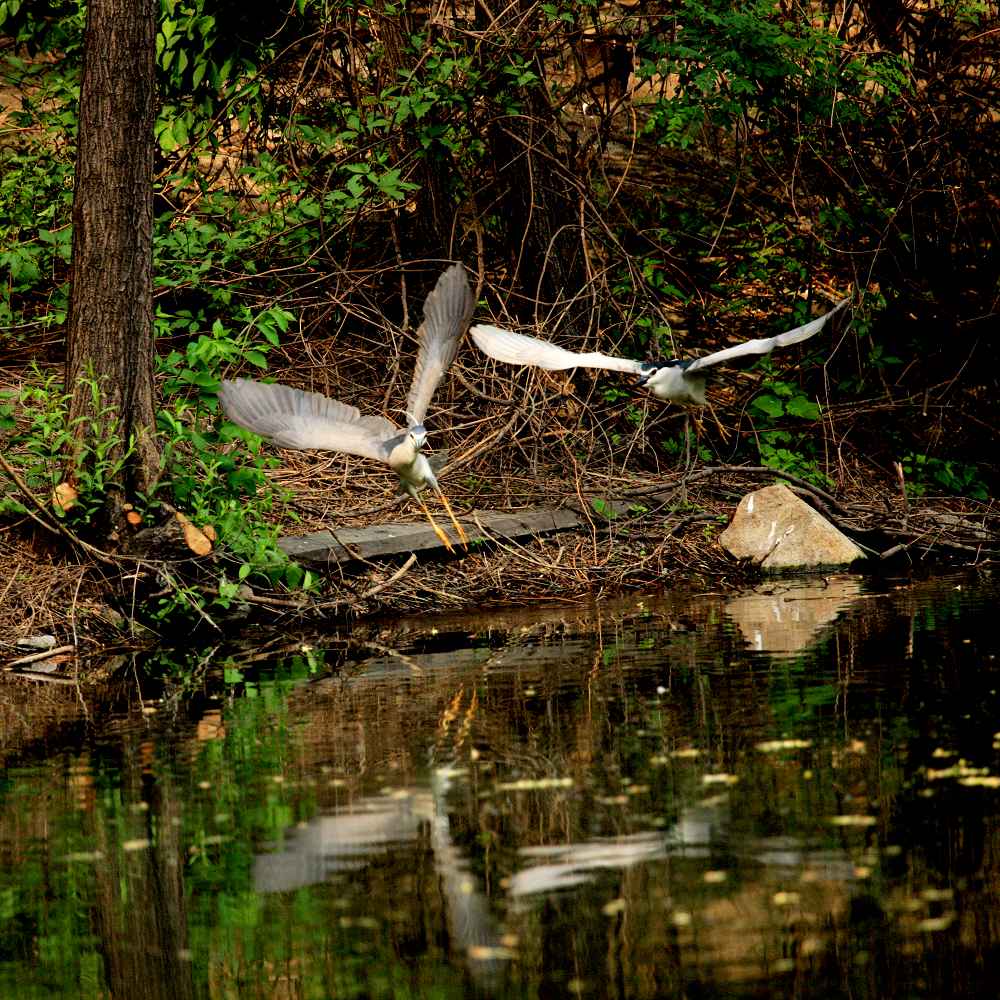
(35, 657)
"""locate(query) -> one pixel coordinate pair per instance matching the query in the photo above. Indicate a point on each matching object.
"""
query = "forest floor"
(668, 540)
(516, 440)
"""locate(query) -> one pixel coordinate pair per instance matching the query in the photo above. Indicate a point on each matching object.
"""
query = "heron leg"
(454, 520)
(723, 433)
(445, 540)
(681, 492)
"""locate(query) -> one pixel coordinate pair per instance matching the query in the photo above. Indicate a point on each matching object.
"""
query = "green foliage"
(785, 399)
(677, 447)
(749, 63)
(926, 472)
(100, 456)
(43, 24)
(198, 365)
(604, 509)
(779, 447)
(215, 477)
(36, 189)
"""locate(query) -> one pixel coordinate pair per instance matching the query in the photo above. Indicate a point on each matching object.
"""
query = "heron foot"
(454, 520)
(438, 530)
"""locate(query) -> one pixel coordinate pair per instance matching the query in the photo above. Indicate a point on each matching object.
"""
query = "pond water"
(793, 792)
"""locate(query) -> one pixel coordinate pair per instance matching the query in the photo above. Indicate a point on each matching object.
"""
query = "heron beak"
(644, 378)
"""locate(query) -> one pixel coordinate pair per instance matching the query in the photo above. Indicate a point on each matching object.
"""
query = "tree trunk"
(110, 329)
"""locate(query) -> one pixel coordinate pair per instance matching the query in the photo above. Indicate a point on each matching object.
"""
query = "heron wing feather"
(292, 418)
(520, 349)
(767, 344)
(447, 313)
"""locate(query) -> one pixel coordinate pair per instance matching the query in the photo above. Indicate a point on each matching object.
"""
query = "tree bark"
(110, 329)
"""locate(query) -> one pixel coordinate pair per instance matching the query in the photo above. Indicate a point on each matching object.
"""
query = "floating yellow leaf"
(785, 899)
(483, 953)
(853, 820)
(534, 784)
(774, 746)
(719, 779)
(931, 924)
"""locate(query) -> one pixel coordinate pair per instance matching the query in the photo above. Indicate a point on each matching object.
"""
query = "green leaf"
(603, 508)
(769, 405)
(802, 406)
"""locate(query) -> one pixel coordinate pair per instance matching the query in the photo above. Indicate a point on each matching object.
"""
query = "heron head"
(418, 435)
(649, 370)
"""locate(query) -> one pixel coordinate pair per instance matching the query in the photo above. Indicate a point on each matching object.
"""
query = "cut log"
(380, 541)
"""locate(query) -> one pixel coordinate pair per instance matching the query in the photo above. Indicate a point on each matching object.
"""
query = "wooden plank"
(380, 541)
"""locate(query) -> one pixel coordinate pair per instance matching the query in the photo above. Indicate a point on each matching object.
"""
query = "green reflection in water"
(663, 799)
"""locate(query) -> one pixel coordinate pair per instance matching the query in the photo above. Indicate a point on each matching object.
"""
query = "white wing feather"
(519, 349)
(447, 312)
(292, 418)
(767, 344)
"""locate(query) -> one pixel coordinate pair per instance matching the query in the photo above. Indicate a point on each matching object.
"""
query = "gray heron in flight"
(674, 381)
(292, 418)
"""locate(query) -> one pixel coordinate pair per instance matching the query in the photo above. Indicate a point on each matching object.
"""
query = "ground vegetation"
(658, 180)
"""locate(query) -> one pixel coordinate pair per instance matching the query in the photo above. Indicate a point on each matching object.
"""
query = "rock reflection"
(789, 616)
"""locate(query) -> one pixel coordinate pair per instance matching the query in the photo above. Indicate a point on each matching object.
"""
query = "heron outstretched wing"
(519, 349)
(292, 418)
(767, 344)
(447, 312)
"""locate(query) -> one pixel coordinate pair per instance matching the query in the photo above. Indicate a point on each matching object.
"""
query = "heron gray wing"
(520, 349)
(292, 418)
(767, 344)
(447, 312)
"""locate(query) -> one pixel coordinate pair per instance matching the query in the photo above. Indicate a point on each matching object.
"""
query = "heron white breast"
(414, 474)
(672, 383)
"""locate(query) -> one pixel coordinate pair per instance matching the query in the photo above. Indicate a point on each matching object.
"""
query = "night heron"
(674, 381)
(292, 418)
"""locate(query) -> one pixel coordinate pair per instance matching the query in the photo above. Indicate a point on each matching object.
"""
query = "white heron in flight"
(292, 418)
(674, 380)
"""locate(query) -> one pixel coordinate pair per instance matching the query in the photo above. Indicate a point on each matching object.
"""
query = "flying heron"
(292, 418)
(674, 381)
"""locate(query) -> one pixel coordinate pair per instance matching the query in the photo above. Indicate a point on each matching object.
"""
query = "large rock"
(780, 532)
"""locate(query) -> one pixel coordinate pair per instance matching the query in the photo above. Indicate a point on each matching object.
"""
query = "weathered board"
(380, 541)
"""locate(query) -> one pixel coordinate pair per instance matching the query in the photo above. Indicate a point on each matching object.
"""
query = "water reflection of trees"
(555, 791)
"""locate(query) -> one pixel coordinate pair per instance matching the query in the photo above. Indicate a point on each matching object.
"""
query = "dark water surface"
(790, 793)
